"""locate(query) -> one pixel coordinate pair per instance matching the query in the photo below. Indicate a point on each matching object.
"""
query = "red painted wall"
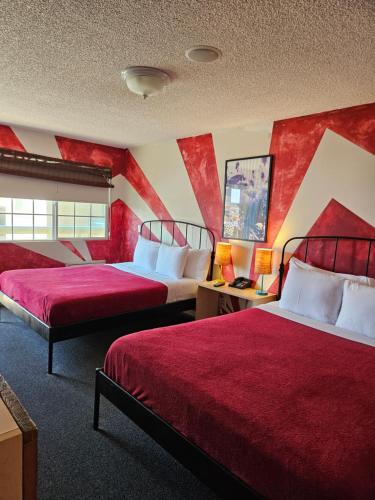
(12, 256)
(104, 156)
(294, 143)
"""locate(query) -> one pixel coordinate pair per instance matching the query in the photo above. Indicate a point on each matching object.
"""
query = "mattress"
(64, 296)
(69, 295)
(178, 289)
(274, 308)
(287, 408)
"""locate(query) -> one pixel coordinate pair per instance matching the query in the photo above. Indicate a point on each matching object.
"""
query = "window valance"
(53, 169)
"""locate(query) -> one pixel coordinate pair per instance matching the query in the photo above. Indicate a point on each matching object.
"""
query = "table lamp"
(263, 265)
(222, 257)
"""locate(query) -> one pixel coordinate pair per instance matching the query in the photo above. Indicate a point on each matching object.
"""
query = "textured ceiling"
(60, 63)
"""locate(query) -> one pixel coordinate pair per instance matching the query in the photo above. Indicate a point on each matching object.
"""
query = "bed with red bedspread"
(69, 295)
(287, 408)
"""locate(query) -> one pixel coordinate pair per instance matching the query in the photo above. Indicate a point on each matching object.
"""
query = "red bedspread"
(67, 295)
(287, 408)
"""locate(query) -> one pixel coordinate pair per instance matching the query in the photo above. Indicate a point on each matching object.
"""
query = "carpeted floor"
(75, 462)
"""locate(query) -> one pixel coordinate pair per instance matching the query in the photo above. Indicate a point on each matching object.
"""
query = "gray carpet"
(75, 462)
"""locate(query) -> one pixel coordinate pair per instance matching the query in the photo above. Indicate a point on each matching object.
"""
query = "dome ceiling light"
(203, 54)
(145, 81)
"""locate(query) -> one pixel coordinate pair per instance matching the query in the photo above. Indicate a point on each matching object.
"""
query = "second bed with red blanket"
(287, 408)
(69, 295)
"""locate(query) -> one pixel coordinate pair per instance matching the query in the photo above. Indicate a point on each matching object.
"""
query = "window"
(22, 219)
(81, 220)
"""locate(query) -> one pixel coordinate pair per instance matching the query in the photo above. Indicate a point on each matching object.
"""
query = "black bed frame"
(60, 333)
(218, 478)
(336, 239)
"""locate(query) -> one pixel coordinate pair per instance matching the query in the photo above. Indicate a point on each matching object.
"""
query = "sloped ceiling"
(60, 63)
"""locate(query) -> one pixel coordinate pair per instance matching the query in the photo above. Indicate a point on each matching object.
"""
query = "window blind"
(53, 169)
(25, 175)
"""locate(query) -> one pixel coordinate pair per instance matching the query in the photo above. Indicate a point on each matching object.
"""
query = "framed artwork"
(246, 198)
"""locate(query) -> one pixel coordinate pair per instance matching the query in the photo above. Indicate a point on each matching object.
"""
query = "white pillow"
(146, 253)
(312, 293)
(364, 280)
(197, 264)
(171, 260)
(358, 309)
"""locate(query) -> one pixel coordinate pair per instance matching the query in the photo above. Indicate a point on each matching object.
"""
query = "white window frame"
(55, 216)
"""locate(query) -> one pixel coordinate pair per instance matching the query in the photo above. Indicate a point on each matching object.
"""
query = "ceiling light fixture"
(203, 54)
(145, 81)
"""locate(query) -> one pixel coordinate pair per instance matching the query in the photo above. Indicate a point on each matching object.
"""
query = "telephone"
(240, 283)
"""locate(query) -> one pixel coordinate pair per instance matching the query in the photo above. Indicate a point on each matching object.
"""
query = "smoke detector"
(203, 54)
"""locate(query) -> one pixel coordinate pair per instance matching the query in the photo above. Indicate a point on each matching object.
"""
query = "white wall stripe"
(52, 249)
(37, 142)
(82, 247)
(240, 142)
(125, 191)
(163, 166)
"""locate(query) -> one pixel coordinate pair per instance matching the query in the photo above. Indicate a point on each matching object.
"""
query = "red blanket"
(287, 408)
(67, 295)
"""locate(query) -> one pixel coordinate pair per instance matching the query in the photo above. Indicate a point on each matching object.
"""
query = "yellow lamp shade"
(263, 261)
(222, 254)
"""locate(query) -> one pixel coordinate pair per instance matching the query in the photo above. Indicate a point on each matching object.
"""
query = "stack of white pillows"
(344, 300)
(172, 261)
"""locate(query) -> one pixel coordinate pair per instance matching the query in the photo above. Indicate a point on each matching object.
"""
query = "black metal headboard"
(334, 238)
(183, 233)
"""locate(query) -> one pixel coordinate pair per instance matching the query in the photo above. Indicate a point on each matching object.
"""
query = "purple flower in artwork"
(237, 179)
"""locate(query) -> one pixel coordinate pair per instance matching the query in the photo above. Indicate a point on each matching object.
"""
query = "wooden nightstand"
(208, 298)
(18, 448)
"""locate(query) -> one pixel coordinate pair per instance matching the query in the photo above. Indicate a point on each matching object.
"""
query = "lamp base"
(262, 290)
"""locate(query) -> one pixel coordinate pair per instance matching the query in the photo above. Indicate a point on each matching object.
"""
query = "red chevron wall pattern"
(323, 182)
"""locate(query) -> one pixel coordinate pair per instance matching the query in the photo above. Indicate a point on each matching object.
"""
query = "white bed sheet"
(274, 308)
(178, 289)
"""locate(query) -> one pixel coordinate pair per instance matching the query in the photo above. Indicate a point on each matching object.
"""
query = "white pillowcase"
(146, 253)
(197, 264)
(171, 260)
(365, 280)
(358, 309)
(312, 293)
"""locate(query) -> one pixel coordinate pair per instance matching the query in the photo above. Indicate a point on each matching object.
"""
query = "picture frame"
(247, 190)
